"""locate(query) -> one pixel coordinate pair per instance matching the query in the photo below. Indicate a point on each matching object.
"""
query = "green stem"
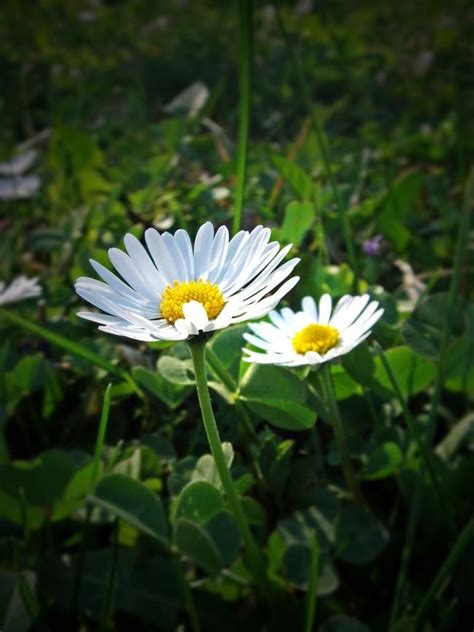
(71, 347)
(245, 17)
(188, 596)
(312, 594)
(425, 455)
(99, 444)
(461, 247)
(415, 511)
(109, 600)
(338, 428)
(198, 353)
(304, 91)
(463, 540)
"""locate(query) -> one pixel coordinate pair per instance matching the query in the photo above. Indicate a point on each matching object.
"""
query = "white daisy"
(175, 290)
(19, 289)
(313, 335)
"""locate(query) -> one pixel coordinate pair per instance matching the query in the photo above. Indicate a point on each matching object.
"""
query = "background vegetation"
(362, 124)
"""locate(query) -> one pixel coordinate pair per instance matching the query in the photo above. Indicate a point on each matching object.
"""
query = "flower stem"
(254, 556)
(245, 18)
(336, 421)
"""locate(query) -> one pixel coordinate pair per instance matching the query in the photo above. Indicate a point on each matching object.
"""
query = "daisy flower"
(19, 290)
(172, 289)
(314, 335)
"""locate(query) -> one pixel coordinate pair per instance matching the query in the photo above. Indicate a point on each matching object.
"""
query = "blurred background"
(120, 115)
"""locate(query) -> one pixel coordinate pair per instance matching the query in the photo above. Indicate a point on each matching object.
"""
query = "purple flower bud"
(373, 246)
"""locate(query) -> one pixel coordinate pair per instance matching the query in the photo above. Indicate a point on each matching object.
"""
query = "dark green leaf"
(132, 501)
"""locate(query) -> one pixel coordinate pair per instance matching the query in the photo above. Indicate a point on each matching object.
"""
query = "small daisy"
(313, 335)
(173, 290)
(19, 290)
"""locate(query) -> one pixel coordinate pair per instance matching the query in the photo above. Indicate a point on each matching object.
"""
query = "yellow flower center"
(319, 338)
(180, 293)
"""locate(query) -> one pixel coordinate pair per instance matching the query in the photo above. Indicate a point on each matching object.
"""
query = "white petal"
(203, 251)
(219, 253)
(308, 305)
(161, 256)
(195, 313)
(130, 273)
(183, 242)
(325, 305)
(182, 271)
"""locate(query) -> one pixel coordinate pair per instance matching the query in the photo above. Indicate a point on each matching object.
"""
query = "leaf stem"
(312, 593)
(424, 453)
(99, 444)
(245, 55)
(109, 600)
(304, 91)
(459, 257)
(339, 434)
(198, 352)
(465, 537)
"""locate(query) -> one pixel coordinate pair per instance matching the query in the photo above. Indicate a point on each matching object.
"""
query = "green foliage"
(359, 114)
(132, 501)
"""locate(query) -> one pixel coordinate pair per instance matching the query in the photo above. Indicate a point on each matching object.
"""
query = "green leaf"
(194, 542)
(385, 460)
(206, 469)
(359, 364)
(414, 373)
(360, 537)
(169, 393)
(14, 615)
(298, 219)
(175, 370)
(132, 501)
(277, 396)
(343, 623)
(199, 502)
(344, 385)
(300, 182)
(147, 587)
(225, 535)
(423, 330)
(399, 202)
(63, 342)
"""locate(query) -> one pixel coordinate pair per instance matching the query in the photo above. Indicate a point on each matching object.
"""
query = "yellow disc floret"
(319, 338)
(180, 293)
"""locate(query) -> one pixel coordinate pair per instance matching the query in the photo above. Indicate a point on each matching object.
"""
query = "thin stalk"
(339, 434)
(99, 444)
(245, 56)
(188, 596)
(109, 600)
(71, 347)
(425, 455)
(198, 352)
(303, 88)
(465, 537)
(459, 257)
(245, 425)
(231, 385)
(312, 594)
(407, 552)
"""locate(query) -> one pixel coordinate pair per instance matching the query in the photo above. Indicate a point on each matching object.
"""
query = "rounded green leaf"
(196, 544)
(413, 372)
(199, 502)
(132, 501)
(360, 537)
